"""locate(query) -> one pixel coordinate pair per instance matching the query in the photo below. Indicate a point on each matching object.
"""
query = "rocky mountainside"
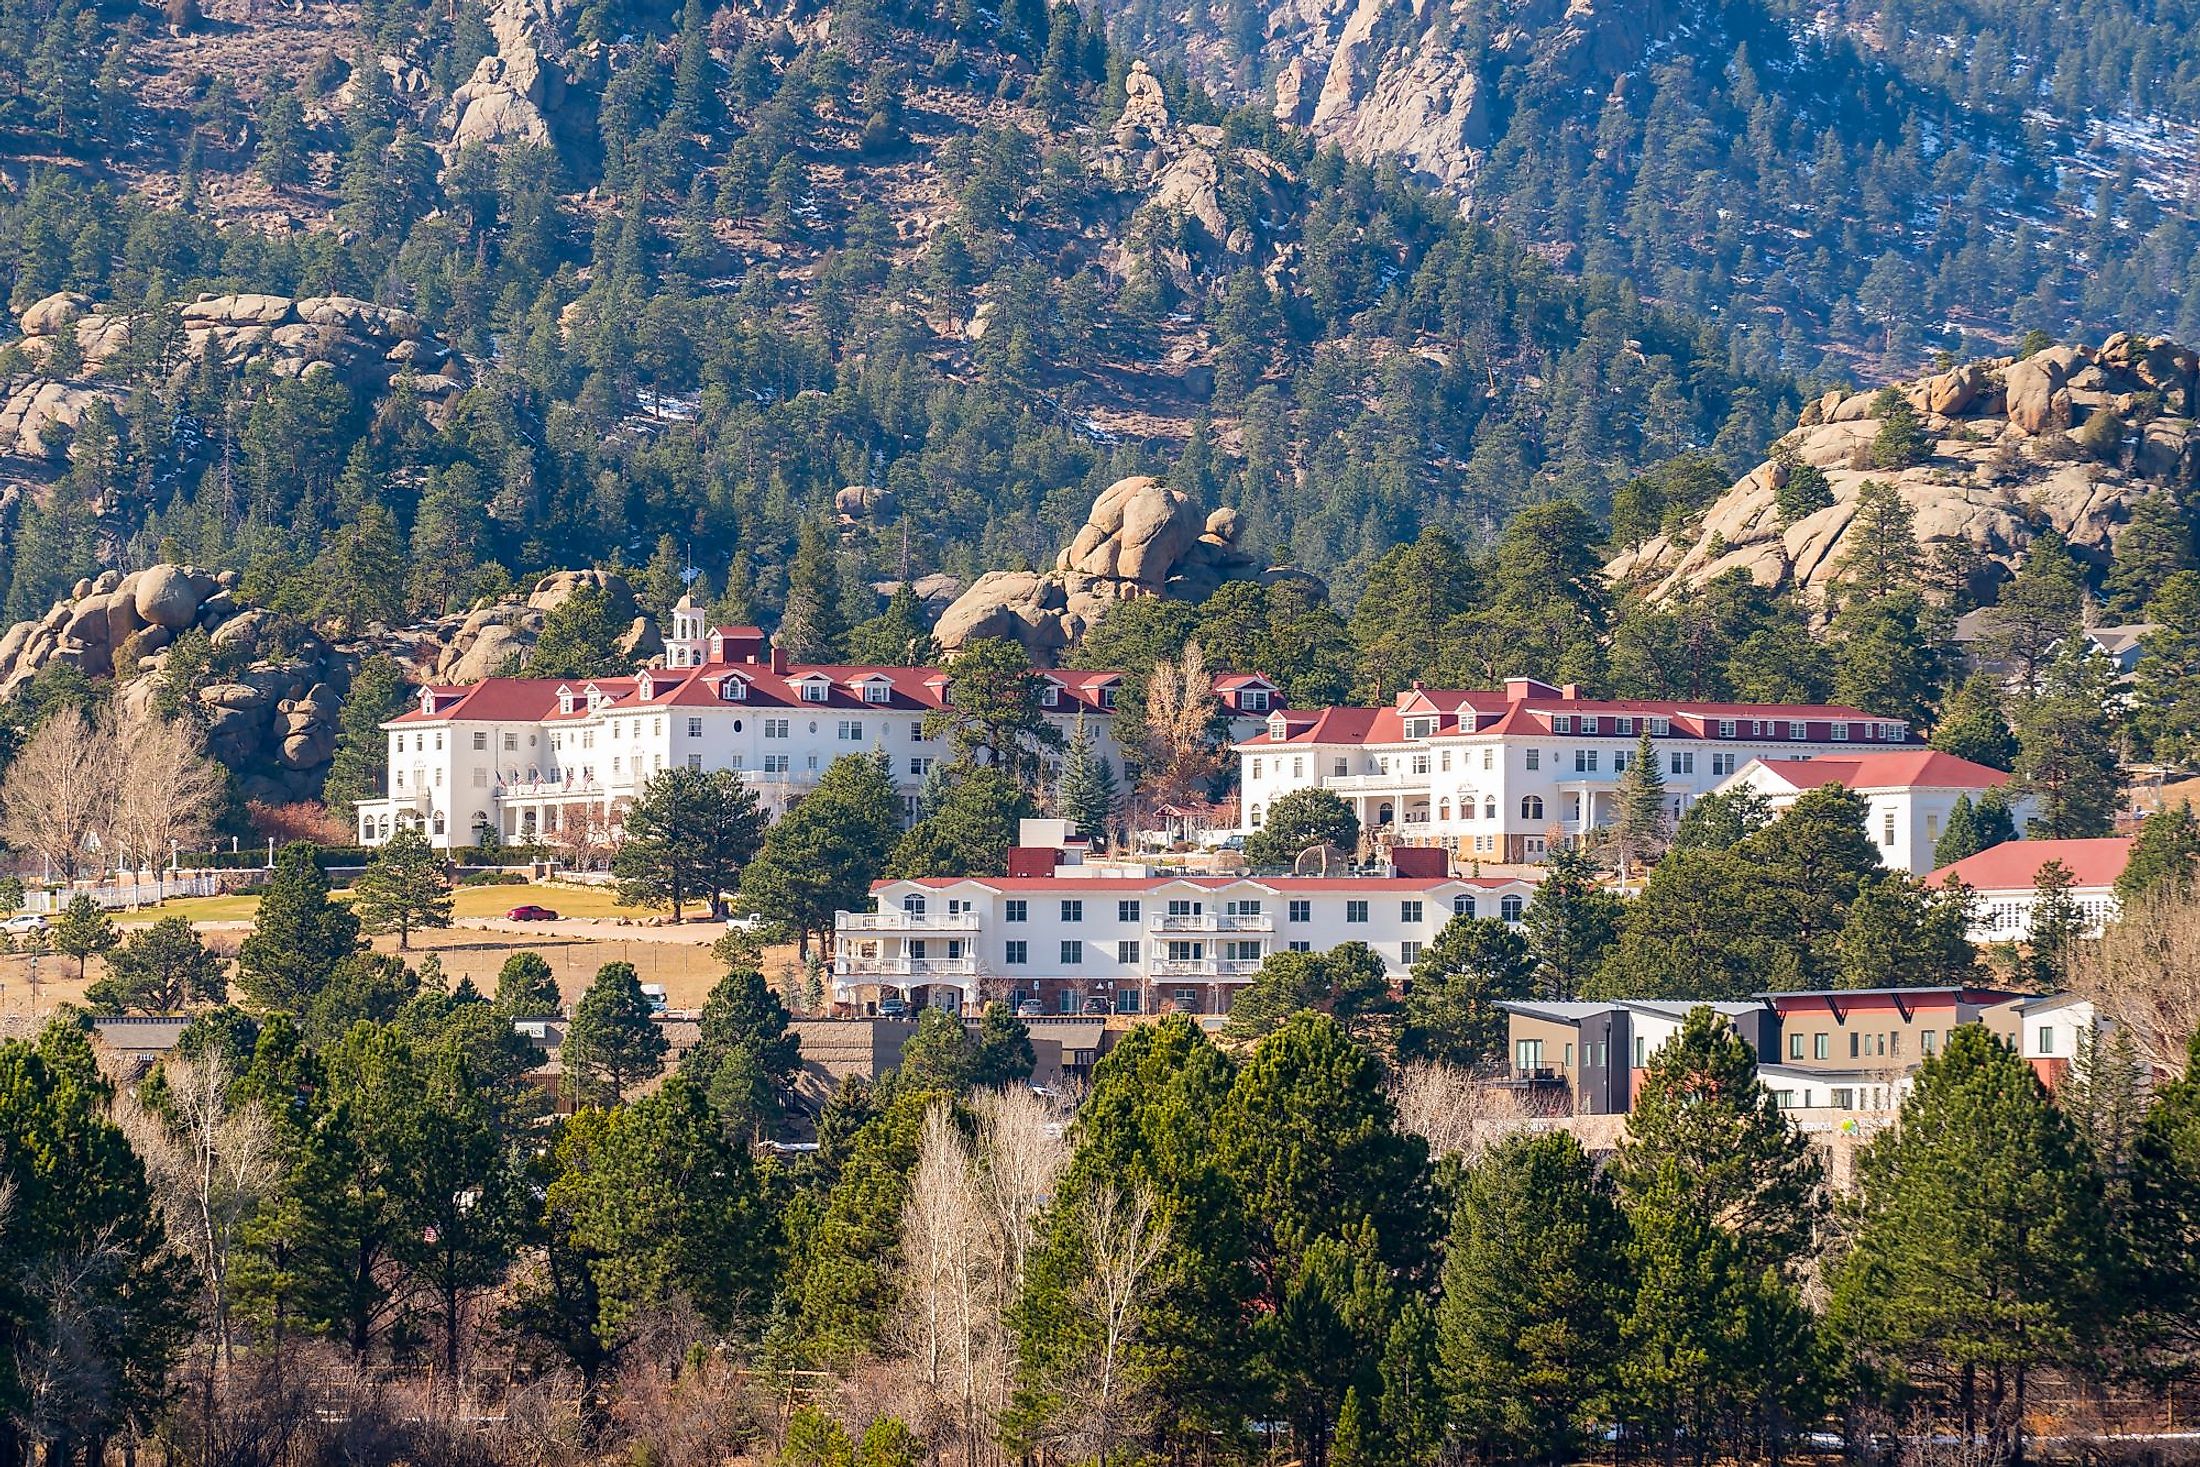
(1847, 186)
(2069, 438)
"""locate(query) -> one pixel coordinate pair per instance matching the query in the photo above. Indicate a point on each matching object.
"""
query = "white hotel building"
(540, 758)
(1498, 776)
(1077, 939)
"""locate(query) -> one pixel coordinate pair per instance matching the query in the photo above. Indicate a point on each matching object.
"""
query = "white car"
(754, 922)
(24, 922)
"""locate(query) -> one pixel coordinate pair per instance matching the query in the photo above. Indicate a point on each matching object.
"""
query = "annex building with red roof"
(1497, 775)
(1910, 793)
(2004, 881)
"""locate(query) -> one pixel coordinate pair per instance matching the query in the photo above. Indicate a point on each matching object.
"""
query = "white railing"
(1211, 922)
(857, 965)
(895, 920)
(535, 789)
(1395, 780)
(1204, 967)
(131, 891)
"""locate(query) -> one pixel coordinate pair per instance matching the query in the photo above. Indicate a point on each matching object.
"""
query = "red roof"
(910, 689)
(1530, 712)
(1895, 769)
(2014, 865)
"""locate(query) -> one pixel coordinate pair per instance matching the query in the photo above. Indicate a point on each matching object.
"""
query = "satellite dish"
(1322, 860)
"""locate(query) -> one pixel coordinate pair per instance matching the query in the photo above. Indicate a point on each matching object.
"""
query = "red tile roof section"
(2014, 865)
(1896, 769)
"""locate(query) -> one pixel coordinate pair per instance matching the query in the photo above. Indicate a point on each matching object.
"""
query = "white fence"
(138, 892)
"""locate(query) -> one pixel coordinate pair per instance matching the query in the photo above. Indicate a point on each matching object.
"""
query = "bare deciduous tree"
(1176, 754)
(167, 792)
(59, 792)
(1122, 1244)
(945, 1263)
(1458, 1116)
(2143, 977)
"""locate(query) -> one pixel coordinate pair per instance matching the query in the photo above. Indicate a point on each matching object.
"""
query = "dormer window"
(732, 689)
(1050, 695)
(877, 691)
(1275, 727)
(1562, 723)
(1107, 697)
(427, 703)
(644, 688)
(565, 700)
(1256, 700)
(815, 691)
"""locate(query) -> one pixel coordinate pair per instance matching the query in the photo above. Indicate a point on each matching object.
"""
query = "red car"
(530, 914)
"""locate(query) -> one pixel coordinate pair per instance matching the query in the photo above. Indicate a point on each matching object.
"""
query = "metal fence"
(136, 891)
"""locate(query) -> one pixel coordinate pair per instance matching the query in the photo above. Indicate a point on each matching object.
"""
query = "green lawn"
(466, 901)
(239, 907)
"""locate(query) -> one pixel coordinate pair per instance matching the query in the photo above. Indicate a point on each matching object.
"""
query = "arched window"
(1531, 807)
(1489, 808)
(1255, 817)
(1510, 908)
(1443, 808)
(1384, 815)
(439, 822)
(913, 904)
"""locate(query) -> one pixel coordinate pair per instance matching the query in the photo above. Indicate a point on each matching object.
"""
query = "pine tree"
(970, 834)
(2162, 857)
(1639, 828)
(299, 936)
(1881, 557)
(1901, 440)
(2165, 694)
(687, 837)
(810, 625)
(1451, 1012)
(83, 929)
(1964, 1292)
(1086, 791)
(2040, 610)
(744, 1059)
(159, 969)
(611, 1045)
(2155, 545)
(379, 691)
(526, 989)
(1534, 1285)
(579, 638)
(1571, 922)
(2058, 927)
(2067, 758)
(402, 888)
(1959, 838)
(1972, 725)
(824, 853)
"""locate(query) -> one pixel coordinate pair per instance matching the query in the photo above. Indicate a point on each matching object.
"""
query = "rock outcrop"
(1141, 538)
(1383, 79)
(367, 345)
(2069, 438)
(1181, 168)
(513, 92)
(270, 716)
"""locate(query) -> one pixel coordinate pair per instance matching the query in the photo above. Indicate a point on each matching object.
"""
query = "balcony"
(576, 788)
(1204, 967)
(1210, 922)
(856, 965)
(1395, 782)
(895, 920)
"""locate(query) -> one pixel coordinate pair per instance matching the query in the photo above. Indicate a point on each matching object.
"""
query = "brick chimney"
(779, 657)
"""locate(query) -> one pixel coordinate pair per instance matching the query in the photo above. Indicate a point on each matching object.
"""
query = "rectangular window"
(1073, 911)
(511, 743)
(695, 762)
(481, 778)
(1894, 1044)
(695, 728)
(1420, 764)
(775, 728)
(1726, 728)
(1409, 912)
(481, 739)
(1126, 911)
(1409, 953)
(1795, 1046)
(1355, 911)
(1821, 1046)
(1722, 765)
(1242, 951)
(1299, 945)
(920, 766)
(1300, 911)
(1298, 768)
(1855, 1050)
(1619, 760)
(1073, 952)
(1126, 953)
(1562, 723)
(1642, 1049)
(1925, 1042)
(775, 763)
(1585, 761)
(1126, 1001)
(1256, 769)
(1016, 909)
(877, 693)
(1684, 761)
(1016, 950)
(1661, 727)
(1623, 725)
(2047, 1040)
(1462, 906)
(1886, 829)
(850, 731)
(916, 733)
(1535, 758)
